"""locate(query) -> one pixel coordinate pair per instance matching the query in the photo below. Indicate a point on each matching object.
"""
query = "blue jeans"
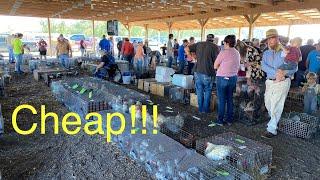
(11, 55)
(64, 60)
(169, 63)
(190, 67)
(299, 78)
(225, 89)
(101, 73)
(128, 58)
(182, 63)
(146, 63)
(138, 66)
(18, 58)
(204, 90)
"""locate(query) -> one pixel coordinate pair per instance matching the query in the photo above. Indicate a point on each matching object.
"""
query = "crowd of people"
(275, 62)
(272, 62)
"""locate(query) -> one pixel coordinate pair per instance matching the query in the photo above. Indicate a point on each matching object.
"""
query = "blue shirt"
(271, 61)
(314, 61)
(181, 53)
(104, 45)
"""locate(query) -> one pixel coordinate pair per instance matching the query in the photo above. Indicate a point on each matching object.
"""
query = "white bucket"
(126, 79)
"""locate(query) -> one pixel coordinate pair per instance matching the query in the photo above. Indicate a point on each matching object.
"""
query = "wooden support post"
(239, 33)
(289, 31)
(93, 38)
(146, 29)
(128, 27)
(50, 42)
(159, 31)
(251, 19)
(202, 23)
(250, 31)
(170, 26)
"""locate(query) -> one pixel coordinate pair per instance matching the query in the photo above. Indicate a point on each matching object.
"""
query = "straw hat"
(270, 34)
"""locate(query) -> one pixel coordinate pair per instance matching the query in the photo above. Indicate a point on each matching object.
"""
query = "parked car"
(32, 45)
(3, 46)
(137, 39)
(75, 41)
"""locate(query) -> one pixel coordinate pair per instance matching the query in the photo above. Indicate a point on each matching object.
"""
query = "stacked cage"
(299, 125)
(182, 136)
(179, 94)
(294, 101)
(85, 95)
(249, 104)
(246, 155)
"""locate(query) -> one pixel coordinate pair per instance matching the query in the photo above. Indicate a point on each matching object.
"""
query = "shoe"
(268, 135)
(219, 124)
(229, 124)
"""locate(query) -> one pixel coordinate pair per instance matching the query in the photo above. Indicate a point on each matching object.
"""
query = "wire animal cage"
(299, 125)
(246, 155)
(294, 101)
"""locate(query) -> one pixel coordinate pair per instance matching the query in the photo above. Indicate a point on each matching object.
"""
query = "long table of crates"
(88, 94)
(162, 156)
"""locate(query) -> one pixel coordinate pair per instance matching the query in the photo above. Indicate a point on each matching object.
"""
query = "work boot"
(268, 135)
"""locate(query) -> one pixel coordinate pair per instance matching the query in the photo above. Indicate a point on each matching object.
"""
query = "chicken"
(217, 152)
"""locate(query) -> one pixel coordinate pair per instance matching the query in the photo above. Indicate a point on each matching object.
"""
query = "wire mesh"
(217, 171)
(299, 125)
(294, 101)
(182, 136)
(179, 94)
(247, 155)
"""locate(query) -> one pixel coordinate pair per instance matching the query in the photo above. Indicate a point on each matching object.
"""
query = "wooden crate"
(163, 89)
(37, 74)
(141, 84)
(153, 88)
(147, 83)
(194, 100)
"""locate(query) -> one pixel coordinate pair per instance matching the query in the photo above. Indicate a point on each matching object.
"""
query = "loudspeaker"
(112, 27)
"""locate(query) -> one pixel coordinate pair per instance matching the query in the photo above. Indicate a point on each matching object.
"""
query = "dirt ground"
(90, 157)
(55, 156)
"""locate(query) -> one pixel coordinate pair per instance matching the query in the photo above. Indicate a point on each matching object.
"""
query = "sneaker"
(268, 135)
(229, 124)
(219, 123)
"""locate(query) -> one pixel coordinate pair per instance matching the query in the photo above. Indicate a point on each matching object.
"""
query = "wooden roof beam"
(17, 4)
(281, 6)
(75, 5)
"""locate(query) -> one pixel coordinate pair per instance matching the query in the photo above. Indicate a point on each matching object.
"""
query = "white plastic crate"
(185, 81)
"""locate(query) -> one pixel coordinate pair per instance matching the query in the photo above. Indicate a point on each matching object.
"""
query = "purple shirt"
(229, 62)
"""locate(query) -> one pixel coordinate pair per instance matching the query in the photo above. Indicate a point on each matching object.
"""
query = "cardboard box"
(141, 84)
(163, 89)
(146, 84)
(194, 100)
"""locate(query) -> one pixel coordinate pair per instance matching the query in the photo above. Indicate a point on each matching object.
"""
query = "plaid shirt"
(63, 47)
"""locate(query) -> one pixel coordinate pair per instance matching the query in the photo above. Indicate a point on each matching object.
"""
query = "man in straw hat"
(276, 91)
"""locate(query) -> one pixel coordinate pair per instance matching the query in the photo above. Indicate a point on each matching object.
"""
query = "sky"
(13, 24)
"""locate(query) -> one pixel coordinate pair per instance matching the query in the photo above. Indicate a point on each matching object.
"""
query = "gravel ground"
(90, 157)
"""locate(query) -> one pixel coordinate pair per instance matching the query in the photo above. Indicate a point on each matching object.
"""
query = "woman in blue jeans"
(227, 65)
